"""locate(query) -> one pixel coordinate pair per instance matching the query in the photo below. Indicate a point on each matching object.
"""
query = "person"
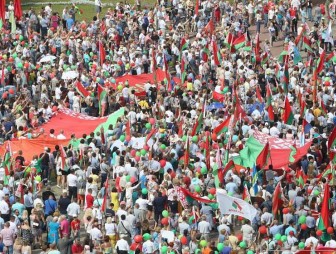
(64, 202)
(77, 247)
(64, 244)
(122, 246)
(7, 236)
(50, 206)
(53, 233)
(53, 249)
(98, 7)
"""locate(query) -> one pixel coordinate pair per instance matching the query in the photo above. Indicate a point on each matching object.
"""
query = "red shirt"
(89, 201)
(76, 249)
(292, 12)
(75, 224)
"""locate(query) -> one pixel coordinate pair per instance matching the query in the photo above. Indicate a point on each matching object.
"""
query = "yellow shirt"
(94, 179)
(189, 86)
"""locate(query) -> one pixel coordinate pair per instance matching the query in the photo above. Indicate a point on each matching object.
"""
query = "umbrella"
(47, 59)
(215, 105)
(70, 75)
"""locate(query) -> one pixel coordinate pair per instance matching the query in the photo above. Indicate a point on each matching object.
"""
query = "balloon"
(133, 153)
(113, 81)
(128, 138)
(240, 237)
(210, 196)
(165, 213)
(304, 226)
(285, 210)
(11, 91)
(302, 219)
(330, 230)
(301, 245)
(128, 178)
(144, 191)
(319, 232)
(4, 95)
(220, 246)
(148, 126)
(263, 230)
(133, 179)
(164, 221)
(184, 240)
(184, 138)
(316, 192)
(212, 191)
(122, 138)
(277, 237)
(26, 65)
(242, 245)
(163, 146)
(20, 65)
(137, 158)
(163, 163)
(204, 171)
(164, 249)
(203, 243)
(283, 238)
(143, 152)
(214, 136)
(197, 188)
(197, 251)
(234, 138)
(138, 154)
(250, 252)
(194, 139)
(14, 55)
(21, 38)
(38, 178)
(138, 238)
(120, 87)
(146, 236)
(151, 121)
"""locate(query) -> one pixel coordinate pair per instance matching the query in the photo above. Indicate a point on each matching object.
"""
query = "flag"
(255, 180)
(324, 216)
(63, 157)
(167, 79)
(309, 62)
(283, 56)
(150, 134)
(103, 207)
(297, 57)
(207, 149)
(246, 195)
(286, 78)
(184, 45)
(264, 58)
(199, 121)
(298, 38)
(303, 107)
(240, 41)
(276, 200)
(186, 153)
(128, 128)
(102, 53)
(206, 53)
(320, 61)
(210, 27)
(216, 54)
(222, 171)
(81, 89)
(191, 197)
(306, 44)
(235, 206)
(183, 71)
(101, 96)
(323, 108)
(325, 174)
(223, 127)
(154, 66)
(269, 106)
(301, 178)
(2, 10)
(17, 9)
(306, 126)
(217, 96)
(180, 128)
(332, 139)
(229, 42)
(288, 115)
(196, 7)
(258, 94)
(7, 160)
(257, 45)
(262, 159)
(330, 57)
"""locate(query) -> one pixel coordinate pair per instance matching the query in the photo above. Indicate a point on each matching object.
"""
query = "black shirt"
(63, 204)
(46, 194)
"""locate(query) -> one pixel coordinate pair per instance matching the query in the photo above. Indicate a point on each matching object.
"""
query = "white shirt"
(142, 203)
(122, 245)
(73, 209)
(96, 234)
(331, 244)
(38, 201)
(274, 132)
(111, 228)
(61, 137)
(204, 227)
(72, 180)
(4, 208)
(148, 247)
(311, 240)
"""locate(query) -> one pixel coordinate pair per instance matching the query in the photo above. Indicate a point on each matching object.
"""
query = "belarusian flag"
(81, 89)
(332, 140)
(286, 78)
(150, 134)
(222, 171)
(323, 108)
(320, 62)
(324, 216)
(246, 195)
(217, 96)
(264, 58)
(327, 173)
(283, 56)
(167, 79)
(298, 38)
(154, 66)
(306, 44)
(269, 106)
(183, 70)
(303, 108)
(184, 44)
(306, 126)
(206, 53)
(262, 159)
(240, 41)
(301, 178)
(186, 153)
(210, 27)
(102, 53)
(258, 94)
(199, 122)
(331, 57)
(191, 197)
(223, 127)
(229, 42)
(288, 115)
(257, 45)
(217, 56)
(101, 96)
(103, 207)
(207, 149)
(276, 200)
(7, 163)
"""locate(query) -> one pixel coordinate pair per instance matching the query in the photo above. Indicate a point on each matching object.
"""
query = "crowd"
(98, 197)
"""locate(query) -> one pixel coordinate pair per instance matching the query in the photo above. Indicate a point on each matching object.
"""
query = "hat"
(65, 191)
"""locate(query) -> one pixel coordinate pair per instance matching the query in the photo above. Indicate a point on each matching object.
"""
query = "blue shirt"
(50, 205)
(143, 181)
(18, 206)
(69, 23)
(289, 229)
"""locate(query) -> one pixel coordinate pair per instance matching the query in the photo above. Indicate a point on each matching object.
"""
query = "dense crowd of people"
(220, 63)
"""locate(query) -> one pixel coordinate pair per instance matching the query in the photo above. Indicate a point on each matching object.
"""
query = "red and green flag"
(288, 115)
(7, 163)
(306, 44)
(332, 140)
(102, 53)
(331, 57)
(199, 121)
(186, 153)
(320, 61)
(323, 108)
(216, 53)
(283, 56)
(298, 38)
(206, 53)
(277, 200)
(301, 178)
(222, 171)
(81, 89)
(191, 197)
(223, 127)
(167, 78)
(210, 27)
(103, 207)
(324, 215)
(246, 195)
(229, 42)
(263, 157)
(240, 41)
(183, 70)
(154, 66)
(258, 94)
(264, 58)
(269, 106)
